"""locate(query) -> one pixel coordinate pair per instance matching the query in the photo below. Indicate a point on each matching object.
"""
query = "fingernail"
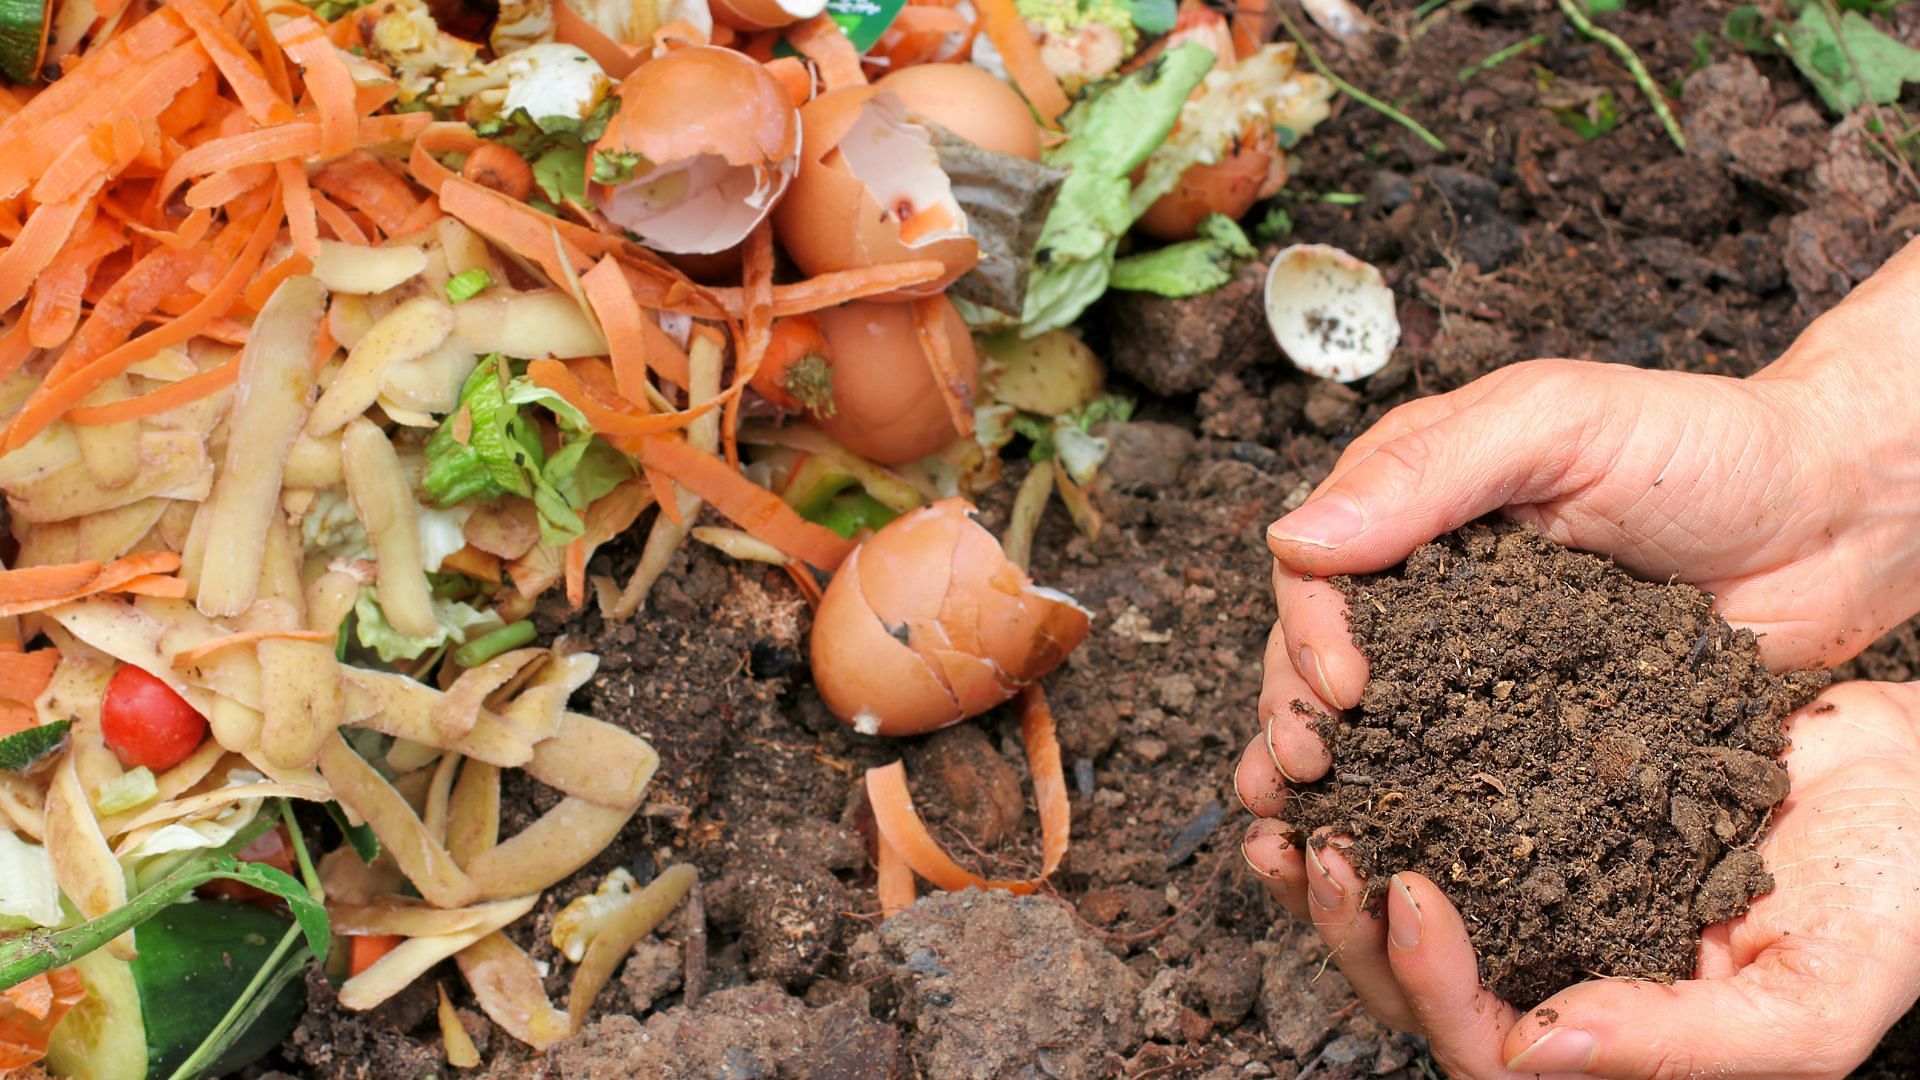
(1559, 1050)
(1325, 891)
(1403, 917)
(1257, 869)
(1326, 522)
(1274, 753)
(1309, 665)
(1260, 830)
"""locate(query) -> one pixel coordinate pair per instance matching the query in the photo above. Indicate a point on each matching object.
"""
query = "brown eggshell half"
(970, 102)
(764, 14)
(1229, 186)
(719, 140)
(831, 220)
(887, 407)
(867, 676)
(993, 633)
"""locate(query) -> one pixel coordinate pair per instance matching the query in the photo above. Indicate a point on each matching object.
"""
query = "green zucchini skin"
(194, 961)
(23, 38)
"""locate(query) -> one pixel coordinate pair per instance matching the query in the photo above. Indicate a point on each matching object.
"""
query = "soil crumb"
(1582, 760)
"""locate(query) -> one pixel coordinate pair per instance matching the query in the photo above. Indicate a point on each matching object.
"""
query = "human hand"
(1802, 985)
(1786, 495)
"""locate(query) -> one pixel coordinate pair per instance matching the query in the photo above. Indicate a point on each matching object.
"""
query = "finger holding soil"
(1582, 761)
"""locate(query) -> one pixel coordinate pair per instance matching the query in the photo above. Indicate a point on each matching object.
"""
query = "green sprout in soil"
(1494, 60)
(1354, 92)
(1578, 17)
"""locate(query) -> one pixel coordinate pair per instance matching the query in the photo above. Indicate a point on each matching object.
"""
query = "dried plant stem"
(1353, 91)
(1504, 55)
(1578, 16)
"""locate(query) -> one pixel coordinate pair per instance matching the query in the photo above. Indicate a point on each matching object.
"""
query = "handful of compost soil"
(1582, 760)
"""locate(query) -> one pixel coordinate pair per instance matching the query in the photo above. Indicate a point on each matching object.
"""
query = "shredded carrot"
(760, 512)
(55, 308)
(339, 222)
(756, 273)
(262, 287)
(794, 76)
(1008, 31)
(930, 321)
(329, 84)
(16, 717)
(896, 886)
(900, 823)
(804, 580)
(838, 287)
(37, 588)
(611, 298)
(302, 223)
(513, 225)
(15, 347)
(263, 146)
(139, 292)
(574, 565)
(29, 1011)
(821, 40)
(193, 654)
(49, 402)
(171, 588)
(663, 493)
(367, 948)
(37, 245)
(494, 166)
(361, 182)
(238, 66)
(23, 675)
(222, 187)
(792, 340)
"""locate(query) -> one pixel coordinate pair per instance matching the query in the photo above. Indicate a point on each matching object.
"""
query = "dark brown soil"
(1581, 760)
(1523, 240)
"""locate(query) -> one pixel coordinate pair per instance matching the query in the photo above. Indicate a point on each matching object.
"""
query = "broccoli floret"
(1061, 18)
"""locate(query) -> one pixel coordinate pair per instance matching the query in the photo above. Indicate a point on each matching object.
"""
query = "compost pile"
(1582, 760)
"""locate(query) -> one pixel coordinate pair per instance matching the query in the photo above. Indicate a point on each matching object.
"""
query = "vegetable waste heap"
(333, 337)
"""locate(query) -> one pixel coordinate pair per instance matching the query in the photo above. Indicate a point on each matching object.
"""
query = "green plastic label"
(863, 21)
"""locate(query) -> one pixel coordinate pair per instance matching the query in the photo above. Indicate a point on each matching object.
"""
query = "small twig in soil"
(1353, 91)
(695, 979)
(1496, 59)
(1578, 16)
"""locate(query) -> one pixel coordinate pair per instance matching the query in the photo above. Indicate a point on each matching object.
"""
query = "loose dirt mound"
(1583, 761)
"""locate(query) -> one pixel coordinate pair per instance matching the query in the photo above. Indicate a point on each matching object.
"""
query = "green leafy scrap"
(1191, 267)
(468, 284)
(359, 837)
(21, 750)
(614, 166)
(1852, 63)
(555, 146)
(1152, 17)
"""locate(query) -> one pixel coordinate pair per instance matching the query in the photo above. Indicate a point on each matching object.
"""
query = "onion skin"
(1229, 186)
(886, 406)
(928, 623)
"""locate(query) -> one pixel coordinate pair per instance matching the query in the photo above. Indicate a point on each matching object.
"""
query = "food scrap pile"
(332, 337)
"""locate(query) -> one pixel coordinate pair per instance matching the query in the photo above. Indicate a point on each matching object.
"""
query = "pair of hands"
(1793, 497)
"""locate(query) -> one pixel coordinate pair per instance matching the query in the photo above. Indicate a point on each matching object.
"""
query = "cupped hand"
(1802, 985)
(1787, 495)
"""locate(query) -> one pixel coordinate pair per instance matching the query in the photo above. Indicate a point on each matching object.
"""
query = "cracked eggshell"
(1332, 314)
(886, 405)
(719, 143)
(971, 103)
(1229, 186)
(927, 623)
(870, 191)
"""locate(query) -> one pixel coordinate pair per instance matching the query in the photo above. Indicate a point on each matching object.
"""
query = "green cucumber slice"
(23, 38)
(142, 1020)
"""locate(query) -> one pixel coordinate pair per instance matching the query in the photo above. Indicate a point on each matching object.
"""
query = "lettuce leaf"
(1110, 132)
(505, 454)
(27, 887)
(1191, 267)
(457, 623)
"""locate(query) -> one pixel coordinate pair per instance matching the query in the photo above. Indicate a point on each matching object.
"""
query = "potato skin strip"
(902, 828)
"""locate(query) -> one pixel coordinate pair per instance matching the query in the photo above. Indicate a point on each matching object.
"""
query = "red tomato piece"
(146, 723)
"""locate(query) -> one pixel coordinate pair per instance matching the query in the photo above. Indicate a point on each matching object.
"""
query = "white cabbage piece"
(27, 888)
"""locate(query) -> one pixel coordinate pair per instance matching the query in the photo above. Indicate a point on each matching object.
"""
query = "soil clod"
(1546, 739)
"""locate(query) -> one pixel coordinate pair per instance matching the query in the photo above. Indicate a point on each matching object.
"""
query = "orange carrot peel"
(37, 588)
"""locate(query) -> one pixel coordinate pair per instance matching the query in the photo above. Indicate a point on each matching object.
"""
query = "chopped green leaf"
(614, 167)
(1828, 58)
(1189, 268)
(1110, 132)
(132, 788)
(360, 837)
(21, 750)
(1275, 225)
(1153, 16)
(851, 511)
(561, 172)
(1747, 30)
(1599, 115)
(468, 284)
(556, 146)
(454, 622)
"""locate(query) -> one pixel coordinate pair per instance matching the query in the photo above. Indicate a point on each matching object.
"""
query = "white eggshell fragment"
(1332, 314)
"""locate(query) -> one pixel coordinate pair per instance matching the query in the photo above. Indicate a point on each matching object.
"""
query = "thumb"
(1778, 1017)
(1397, 493)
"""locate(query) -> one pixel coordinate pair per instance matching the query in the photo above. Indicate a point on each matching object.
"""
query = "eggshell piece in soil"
(886, 405)
(870, 191)
(971, 103)
(927, 623)
(764, 14)
(1332, 314)
(718, 142)
(1229, 186)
